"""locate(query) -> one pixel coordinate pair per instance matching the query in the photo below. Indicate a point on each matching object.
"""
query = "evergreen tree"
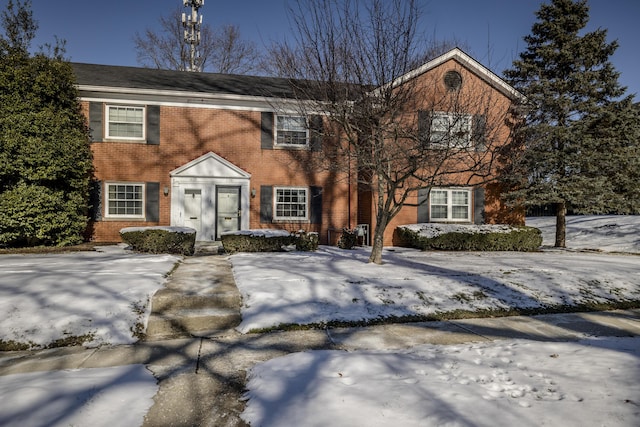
(573, 148)
(45, 157)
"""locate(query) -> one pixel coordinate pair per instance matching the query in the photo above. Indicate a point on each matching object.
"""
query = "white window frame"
(450, 204)
(107, 199)
(447, 125)
(126, 138)
(277, 217)
(279, 130)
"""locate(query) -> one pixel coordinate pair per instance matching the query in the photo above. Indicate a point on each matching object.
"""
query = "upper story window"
(125, 122)
(292, 131)
(452, 80)
(450, 204)
(450, 130)
(291, 203)
(125, 200)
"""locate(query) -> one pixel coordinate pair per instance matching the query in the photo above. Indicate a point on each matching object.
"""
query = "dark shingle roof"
(162, 80)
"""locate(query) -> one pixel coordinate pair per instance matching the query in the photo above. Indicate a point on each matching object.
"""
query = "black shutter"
(95, 121)
(478, 205)
(423, 205)
(266, 204)
(266, 131)
(153, 124)
(478, 130)
(152, 202)
(315, 205)
(315, 132)
(424, 126)
(95, 200)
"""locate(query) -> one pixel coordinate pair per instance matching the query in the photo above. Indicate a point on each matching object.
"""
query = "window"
(292, 130)
(291, 203)
(450, 130)
(450, 205)
(452, 80)
(125, 200)
(125, 122)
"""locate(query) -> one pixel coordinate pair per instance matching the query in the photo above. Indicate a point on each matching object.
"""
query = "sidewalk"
(201, 379)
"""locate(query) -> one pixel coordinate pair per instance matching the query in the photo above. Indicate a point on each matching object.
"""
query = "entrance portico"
(210, 195)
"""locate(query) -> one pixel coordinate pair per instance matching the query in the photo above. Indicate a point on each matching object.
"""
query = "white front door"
(193, 209)
(228, 210)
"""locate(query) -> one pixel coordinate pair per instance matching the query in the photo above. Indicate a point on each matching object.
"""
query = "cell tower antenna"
(192, 22)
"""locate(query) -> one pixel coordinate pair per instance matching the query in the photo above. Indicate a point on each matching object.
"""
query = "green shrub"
(268, 241)
(348, 239)
(307, 242)
(34, 215)
(159, 240)
(45, 152)
(524, 239)
(259, 241)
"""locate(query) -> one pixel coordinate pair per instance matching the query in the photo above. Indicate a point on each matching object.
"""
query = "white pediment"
(210, 165)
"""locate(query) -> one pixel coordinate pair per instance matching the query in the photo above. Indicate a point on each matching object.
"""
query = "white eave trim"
(187, 99)
(172, 93)
(468, 62)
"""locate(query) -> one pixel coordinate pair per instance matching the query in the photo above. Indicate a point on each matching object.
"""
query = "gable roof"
(470, 64)
(150, 81)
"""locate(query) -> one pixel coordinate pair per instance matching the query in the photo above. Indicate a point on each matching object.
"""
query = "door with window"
(193, 209)
(227, 210)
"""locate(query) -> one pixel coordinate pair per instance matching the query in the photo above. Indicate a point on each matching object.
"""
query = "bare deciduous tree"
(221, 50)
(355, 59)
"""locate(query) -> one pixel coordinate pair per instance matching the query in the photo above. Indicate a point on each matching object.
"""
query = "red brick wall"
(188, 133)
(475, 97)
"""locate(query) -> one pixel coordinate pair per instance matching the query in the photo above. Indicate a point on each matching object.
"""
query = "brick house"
(212, 152)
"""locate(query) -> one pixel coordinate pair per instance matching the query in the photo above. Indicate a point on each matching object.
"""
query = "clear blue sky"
(101, 31)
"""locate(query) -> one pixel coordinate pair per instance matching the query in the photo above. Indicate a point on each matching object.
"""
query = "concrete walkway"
(201, 374)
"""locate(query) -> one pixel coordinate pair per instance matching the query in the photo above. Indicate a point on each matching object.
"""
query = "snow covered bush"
(348, 239)
(307, 242)
(268, 240)
(453, 237)
(262, 240)
(160, 240)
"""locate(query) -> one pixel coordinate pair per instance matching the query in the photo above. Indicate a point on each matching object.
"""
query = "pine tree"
(45, 157)
(578, 132)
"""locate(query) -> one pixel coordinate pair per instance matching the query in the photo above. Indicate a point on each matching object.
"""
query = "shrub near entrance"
(160, 240)
(268, 240)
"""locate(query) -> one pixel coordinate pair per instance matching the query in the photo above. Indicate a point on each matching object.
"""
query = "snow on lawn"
(610, 233)
(506, 383)
(338, 285)
(592, 382)
(503, 383)
(119, 396)
(45, 298)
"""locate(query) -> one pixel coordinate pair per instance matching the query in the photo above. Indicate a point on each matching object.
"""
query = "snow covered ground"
(506, 383)
(102, 294)
(99, 397)
(591, 382)
(333, 284)
(609, 233)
